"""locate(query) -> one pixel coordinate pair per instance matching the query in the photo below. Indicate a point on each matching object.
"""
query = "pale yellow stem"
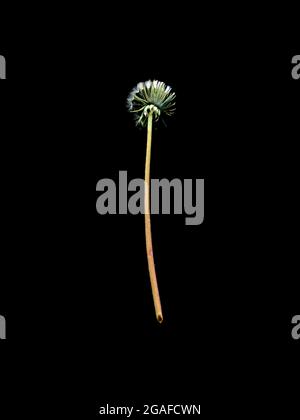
(153, 279)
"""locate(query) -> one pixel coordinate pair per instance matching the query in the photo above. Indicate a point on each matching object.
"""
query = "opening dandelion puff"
(148, 101)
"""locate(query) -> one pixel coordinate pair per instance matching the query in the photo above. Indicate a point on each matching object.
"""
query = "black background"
(76, 290)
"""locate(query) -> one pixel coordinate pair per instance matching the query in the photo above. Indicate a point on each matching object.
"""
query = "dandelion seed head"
(153, 97)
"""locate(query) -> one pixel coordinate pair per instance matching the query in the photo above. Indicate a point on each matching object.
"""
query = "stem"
(153, 279)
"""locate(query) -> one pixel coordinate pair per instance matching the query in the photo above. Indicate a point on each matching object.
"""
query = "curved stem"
(153, 279)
